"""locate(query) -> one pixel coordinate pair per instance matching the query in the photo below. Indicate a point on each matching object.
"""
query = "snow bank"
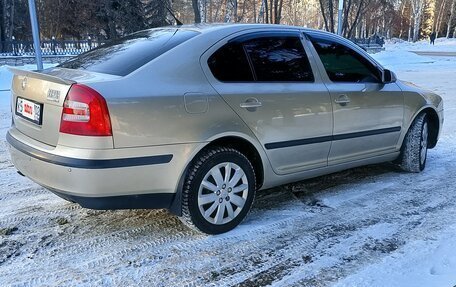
(441, 45)
(400, 58)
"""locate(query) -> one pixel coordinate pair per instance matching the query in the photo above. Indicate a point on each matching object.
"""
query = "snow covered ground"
(369, 226)
(441, 45)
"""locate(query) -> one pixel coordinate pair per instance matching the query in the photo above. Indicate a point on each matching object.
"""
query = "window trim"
(324, 36)
(249, 60)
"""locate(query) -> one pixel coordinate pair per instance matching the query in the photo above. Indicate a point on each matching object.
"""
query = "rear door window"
(123, 56)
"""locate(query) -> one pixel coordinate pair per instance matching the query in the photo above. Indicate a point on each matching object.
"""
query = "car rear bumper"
(103, 179)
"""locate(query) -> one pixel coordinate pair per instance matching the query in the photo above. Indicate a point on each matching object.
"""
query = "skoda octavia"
(196, 119)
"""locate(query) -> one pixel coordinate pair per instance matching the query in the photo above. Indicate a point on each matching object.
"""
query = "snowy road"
(369, 226)
(435, 54)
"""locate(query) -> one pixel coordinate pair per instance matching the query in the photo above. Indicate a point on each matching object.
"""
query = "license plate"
(29, 110)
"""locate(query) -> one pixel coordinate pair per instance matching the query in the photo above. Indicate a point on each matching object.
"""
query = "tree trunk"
(231, 11)
(266, 10)
(217, 10)
(438, 20)
(416, 27)
(402, 20)
(331, 15)
(196, 11)
(417, 7)
(276, 4)
(203, 9)
(355, 22)
(362, 31)
(211, 19)
(409, 36)
(325, 20)
(241, 18)
(347, 8)
(451, 20)
(254, 12)
(7, 19)
(2, 26)
(279, 13)
(271, 15)
(11, 20)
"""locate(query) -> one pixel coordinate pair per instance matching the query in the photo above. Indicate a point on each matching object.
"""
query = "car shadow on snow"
(306, 190)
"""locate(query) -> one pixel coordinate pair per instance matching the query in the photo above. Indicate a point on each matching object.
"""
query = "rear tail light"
(85, 113)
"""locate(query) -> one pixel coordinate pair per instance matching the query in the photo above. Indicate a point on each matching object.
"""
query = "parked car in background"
(196, 119)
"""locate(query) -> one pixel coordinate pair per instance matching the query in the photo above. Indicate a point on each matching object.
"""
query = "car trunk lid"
(38, 98)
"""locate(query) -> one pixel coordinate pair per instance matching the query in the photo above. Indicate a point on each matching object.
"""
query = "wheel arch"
(434, 124)
(238, 142)
(433, 121)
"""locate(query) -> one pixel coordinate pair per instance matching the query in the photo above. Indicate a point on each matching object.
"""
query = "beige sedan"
(196, 119)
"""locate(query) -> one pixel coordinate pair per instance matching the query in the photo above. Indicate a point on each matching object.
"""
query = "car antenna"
(178, 23)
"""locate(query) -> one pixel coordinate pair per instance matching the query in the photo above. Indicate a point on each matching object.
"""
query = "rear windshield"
(123, 56)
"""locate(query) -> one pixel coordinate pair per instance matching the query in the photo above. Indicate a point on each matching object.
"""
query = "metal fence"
(373, 40)
(48, 47)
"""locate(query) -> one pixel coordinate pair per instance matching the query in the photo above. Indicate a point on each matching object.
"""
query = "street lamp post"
(36, 34)
(339, 17)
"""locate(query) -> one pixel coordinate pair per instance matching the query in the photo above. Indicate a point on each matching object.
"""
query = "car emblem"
(24, 83)
(53, 96)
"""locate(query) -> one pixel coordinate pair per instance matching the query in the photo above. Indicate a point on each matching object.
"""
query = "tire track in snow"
(365, 254)
(22, 193)
(181, 246)
(189, 249)
(420, 209)
(297, 244)
(192, 247)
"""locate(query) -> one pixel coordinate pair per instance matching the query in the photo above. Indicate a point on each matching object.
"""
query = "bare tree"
(7, 19)
(196, 11)
(439, 18)
(348, 29)
(453, 7)
(417, 10)
(156, 12)
(114, 18)
(231, 11)
(327, 11)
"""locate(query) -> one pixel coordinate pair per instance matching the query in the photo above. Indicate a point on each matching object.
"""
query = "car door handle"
(251, 104)
(342, 100)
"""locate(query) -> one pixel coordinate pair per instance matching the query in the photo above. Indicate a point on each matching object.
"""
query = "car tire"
(414, 148)
(215, 201)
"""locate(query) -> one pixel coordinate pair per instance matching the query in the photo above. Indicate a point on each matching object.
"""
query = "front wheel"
(414, 148)
(218, 191)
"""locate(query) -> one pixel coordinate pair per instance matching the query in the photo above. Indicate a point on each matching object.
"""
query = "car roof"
(206, 27)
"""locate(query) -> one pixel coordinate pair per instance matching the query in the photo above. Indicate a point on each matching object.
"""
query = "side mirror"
(388, 77)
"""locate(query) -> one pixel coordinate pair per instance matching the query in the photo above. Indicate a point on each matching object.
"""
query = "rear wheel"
(414, 148)
(218, 191)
